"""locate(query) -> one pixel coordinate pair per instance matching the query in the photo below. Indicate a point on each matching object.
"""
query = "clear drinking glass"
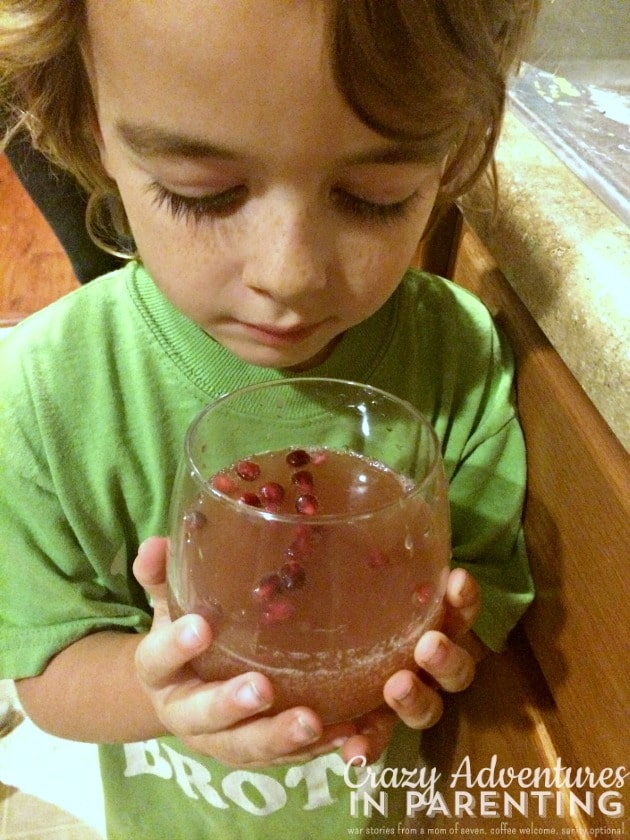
(310, 527)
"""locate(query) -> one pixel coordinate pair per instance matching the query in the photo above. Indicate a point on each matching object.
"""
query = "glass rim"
(317, 518)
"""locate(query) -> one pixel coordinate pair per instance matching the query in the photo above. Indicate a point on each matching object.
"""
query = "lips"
(269, 334)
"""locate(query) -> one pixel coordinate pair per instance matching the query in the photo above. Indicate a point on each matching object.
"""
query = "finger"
(374, 733)
(193, 709)
(267, 740)
(416, 703)
(462, 603)
(149, 569)
(291, 736)
(452, 667)
(164, 651)
(230, 703)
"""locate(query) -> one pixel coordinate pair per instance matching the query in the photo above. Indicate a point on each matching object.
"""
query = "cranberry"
(300, 548)
(303, 480)
(224, 483)
(272, 492)
(268, 587)
(377, 559)
(272, 507)
(318, 458)
(306, 504)
(293, 575)
(279, 610)
(422, 593)
(194, 520)
(250, 499)
(298, 458)
(248, 470)
(296, 551)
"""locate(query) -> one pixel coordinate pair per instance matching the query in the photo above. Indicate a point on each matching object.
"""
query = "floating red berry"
(377, 559)
(268, 587)
(303, 480)
(194, 520)
(272, 492)
(279, 610)
(224, 484)
(301, 547)
(293, 575)
(306, 504)
(298, 458)
(318, 458)
(422, 593)
(251, 499)
(248, 470)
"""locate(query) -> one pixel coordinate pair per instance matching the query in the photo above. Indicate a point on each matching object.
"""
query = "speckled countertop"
(568, 258)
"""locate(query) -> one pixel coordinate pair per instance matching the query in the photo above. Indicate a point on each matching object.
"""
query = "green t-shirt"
(96, 394)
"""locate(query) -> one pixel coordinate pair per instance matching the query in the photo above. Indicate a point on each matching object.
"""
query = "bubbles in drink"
(324, 568)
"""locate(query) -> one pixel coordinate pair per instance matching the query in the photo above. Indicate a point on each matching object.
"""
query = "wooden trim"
(437, 250)
(577, 525)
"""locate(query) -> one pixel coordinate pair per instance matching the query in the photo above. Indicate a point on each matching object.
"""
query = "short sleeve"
(61, 575)
(487, 489)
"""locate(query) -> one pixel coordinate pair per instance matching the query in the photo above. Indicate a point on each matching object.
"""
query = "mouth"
(276, 337)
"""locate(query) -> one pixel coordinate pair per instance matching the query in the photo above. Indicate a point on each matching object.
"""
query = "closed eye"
(219, 205)
(372, 211)
(197, 208)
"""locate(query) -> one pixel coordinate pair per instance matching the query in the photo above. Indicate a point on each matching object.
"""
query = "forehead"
(247, 75)
(253, 76)
(208, 60)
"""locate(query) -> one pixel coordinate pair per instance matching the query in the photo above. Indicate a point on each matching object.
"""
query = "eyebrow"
(156, 142)
(150, 141)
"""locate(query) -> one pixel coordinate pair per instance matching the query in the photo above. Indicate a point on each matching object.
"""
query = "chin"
(272, 358)
(263, 357)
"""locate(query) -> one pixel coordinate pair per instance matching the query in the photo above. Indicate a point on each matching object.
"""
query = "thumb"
(149, 569)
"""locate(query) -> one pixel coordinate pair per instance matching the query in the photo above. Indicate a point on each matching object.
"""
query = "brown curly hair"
(433, 71)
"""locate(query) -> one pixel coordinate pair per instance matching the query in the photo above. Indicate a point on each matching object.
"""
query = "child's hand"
(446, 656)
(219, 718)
(447, 661)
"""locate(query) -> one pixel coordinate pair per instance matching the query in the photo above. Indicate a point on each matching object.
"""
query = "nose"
(289, 260)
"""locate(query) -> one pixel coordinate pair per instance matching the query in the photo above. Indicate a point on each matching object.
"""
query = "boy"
(275, 164)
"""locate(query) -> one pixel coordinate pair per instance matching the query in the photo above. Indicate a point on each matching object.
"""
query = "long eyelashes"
(219, 205)
(371, 211)
(195, 209)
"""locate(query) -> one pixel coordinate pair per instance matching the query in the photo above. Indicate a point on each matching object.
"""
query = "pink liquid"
(328, 602)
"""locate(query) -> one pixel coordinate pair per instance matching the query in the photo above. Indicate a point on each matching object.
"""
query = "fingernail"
(303, 732)
(463, 593)
(249, 696)
(189, 635)
(436, 653)
(404, 698)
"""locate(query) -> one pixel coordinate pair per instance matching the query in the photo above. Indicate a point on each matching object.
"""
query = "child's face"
(261, 205)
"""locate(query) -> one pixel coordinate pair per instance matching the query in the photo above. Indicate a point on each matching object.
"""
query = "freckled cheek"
(167, 241)
(378, 266)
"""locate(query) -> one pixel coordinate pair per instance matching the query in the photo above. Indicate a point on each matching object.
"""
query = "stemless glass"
(310, 527)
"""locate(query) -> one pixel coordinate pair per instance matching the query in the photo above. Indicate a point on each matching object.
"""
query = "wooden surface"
(34, 270)
(577, 522)
(562, 689)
